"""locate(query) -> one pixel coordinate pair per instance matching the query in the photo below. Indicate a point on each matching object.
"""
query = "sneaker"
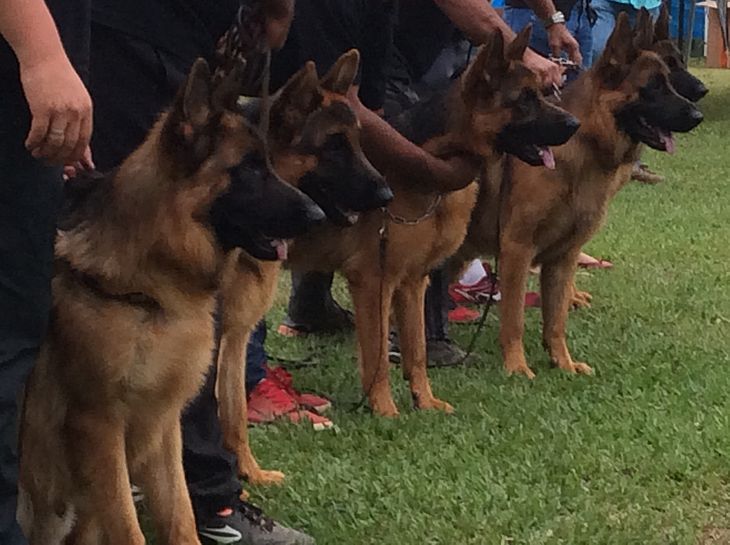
(475, 293)
(463, 315)
(334, 319)
(440, 353)
(247, 525)
(308, 401)
(270, 401)
(642, 173)
(445, 353)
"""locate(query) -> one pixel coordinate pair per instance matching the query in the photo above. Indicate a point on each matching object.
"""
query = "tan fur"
(398, 277)
(104, 402)
(547, 216)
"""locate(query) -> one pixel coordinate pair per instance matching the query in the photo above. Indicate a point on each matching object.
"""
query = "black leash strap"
(504, 187)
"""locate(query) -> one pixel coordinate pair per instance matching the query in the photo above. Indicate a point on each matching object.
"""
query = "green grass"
(639, 453)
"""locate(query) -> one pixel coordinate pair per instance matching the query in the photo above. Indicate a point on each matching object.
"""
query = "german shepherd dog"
(314, 142)
(494, 107)
(131, 333)
(545, 217)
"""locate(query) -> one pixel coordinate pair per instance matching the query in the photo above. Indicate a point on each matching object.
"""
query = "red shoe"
(463, 315)
(476, 293)
(268, 402)
(307, 401)
(318, 422)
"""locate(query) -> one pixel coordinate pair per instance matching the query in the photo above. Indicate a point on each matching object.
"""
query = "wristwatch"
(556, 18)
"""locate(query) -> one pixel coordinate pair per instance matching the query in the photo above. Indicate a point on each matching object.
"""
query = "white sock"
(473, 274)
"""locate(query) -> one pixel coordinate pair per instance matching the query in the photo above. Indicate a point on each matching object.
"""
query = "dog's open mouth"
(659, 139)
(536, 155)
(266, 248)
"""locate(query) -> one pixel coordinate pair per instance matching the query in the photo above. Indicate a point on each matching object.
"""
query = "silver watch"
(556, 18)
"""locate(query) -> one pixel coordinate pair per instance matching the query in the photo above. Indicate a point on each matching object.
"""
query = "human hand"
(279, 15)
(550, 74)
(61, 111)
(560, 39)
(85, 164)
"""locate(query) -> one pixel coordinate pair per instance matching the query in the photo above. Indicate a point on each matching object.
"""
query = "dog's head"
(207, 132)
(314, 125)
(642, 99)
(683, 81)
(505, 106)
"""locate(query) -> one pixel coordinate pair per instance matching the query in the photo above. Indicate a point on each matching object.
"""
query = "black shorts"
(325, 29)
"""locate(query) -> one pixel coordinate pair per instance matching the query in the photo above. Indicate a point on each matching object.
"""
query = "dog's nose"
(314, 214)
(384, 194)
(701, 92)
(572, 124)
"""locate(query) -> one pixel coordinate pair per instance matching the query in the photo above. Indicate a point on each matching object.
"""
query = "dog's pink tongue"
(668, 141)
(548, 159)
(282, 249)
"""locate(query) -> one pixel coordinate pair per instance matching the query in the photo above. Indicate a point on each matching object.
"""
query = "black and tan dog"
(314, 144)
(131, 334)
(625, 101)
(495, 107)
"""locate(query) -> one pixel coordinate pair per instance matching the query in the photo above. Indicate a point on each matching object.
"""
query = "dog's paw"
(582, 369)
(581, 299)
(265, 477)
(519, 369)
(434, 404)
(384, 407)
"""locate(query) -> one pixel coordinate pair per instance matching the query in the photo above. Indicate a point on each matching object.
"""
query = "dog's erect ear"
(340, 77)
(489, 64)
(516, 48)
(301, 91)
(294, 102)
(644, 31)
(613, 66)
(196, 103)
(661, 28)
(226, 92)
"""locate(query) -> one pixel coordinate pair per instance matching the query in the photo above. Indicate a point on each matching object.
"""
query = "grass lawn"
(639, 453)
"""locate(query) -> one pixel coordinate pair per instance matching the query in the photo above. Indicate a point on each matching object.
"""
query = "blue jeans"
(607, 11)
(577, 24)
(256, 357)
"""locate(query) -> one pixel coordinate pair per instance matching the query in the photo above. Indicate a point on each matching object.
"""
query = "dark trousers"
(126, 104)
(30, 194)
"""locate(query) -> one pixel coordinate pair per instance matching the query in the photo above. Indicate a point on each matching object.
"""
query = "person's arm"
(559, 38)
(390, 152)
(59, 103)
(477, 19)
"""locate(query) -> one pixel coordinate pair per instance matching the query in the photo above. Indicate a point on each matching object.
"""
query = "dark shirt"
(422, 32)
(183, 28)
(325, 29)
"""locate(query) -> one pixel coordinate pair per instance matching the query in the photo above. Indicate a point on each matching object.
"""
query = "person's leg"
(312, 309)
(602, 29)
(441, 351)
(256, 357)
(30, 194)
(579, 26)
(519, 18)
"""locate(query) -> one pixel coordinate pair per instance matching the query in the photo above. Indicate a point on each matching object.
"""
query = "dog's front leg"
(514, 266)
(162, 478)
(99, 465)
(233, 405)
(557, 287)
(371, 297)
(409, 308)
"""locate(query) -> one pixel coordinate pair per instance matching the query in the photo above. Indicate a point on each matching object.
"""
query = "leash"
(504, 186)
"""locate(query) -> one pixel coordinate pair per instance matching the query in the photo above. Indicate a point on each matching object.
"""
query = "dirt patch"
(713, 535)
